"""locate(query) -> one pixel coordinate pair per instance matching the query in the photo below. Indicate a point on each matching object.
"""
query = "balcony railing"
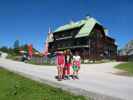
(62, 38)
(75, 46)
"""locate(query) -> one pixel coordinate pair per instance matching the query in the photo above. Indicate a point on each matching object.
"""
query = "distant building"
(3, 54)
(127, 50)
(86, 36)
(126, 53)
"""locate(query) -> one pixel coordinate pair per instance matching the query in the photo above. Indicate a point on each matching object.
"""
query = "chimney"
(71, 21)
(87, 17)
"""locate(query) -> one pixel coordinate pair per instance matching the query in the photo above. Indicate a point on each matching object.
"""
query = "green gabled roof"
(86, 29)
(87, 26)
(70, 26)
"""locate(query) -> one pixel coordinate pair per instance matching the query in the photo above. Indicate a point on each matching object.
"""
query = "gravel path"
(96, 80)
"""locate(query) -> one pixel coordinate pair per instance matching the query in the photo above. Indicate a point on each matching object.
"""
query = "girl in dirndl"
(68, 63)
(60, 61)
(76, 66)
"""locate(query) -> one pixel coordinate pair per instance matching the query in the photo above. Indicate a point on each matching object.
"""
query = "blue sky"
(29, 20)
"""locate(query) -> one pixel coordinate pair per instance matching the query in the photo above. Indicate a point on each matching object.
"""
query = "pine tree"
(16, 46)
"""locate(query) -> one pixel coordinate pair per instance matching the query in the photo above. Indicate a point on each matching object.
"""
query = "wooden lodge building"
(86, 36)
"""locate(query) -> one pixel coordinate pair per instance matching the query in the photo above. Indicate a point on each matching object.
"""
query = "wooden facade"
(95, 46)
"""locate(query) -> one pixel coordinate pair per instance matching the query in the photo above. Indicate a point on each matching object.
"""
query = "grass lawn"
(15, 87)
(128, 67)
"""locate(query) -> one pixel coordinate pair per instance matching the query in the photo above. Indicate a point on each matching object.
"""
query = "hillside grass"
(15, 87)
(127, 66)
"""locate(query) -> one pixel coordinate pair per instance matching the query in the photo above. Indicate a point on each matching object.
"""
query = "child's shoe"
(59, 79)
(76, 77)
(65, 77)
(68, 78)
(73, 77)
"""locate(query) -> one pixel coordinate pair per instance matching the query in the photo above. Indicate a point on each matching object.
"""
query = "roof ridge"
(76, 24)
